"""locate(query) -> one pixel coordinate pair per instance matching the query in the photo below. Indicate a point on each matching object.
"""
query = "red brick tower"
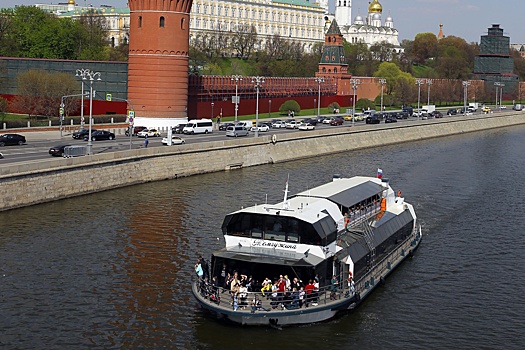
(158, 60)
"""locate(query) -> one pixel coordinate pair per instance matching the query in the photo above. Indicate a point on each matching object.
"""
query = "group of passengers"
(360, 210)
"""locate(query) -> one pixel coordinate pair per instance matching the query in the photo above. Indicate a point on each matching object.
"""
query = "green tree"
(290, 105)
(424, 47)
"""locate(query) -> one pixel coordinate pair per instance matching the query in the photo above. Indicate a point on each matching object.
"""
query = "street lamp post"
(319, 80)
(212, 104)
(501, 95)
(257, 81)
(236, 78)
(382, 81)
(429, 82)
(355, 83)
(466, 84)
(80, 73)
(419, 82)
(92, 76)
(269, 108)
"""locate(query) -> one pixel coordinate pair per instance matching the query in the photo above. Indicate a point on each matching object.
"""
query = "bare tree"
(243, 41)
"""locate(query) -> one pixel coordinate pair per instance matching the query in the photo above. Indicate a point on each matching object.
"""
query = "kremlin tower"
(158, 61)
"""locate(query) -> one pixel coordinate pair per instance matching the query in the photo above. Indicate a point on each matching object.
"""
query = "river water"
(111, 270)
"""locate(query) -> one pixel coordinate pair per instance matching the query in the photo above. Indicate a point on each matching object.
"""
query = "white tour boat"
(348, 235)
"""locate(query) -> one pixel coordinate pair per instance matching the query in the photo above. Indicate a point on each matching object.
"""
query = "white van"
(198, 126)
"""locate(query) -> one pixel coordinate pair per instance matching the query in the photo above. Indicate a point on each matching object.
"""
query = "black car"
(312, 121)
(223, 126)
(178, 129)
(438, 114)
(390, 119)
(80, 134)
(408, 110)
(12, 139)
(372, 119)
(136, 130)
(452, 111)
(100, 135)
(58, 151)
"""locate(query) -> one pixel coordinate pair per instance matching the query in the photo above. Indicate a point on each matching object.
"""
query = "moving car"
(80, 133)
(306, 126)
(336, 121)
(224, 126)
(372, 119)
(58, 151)
(175, 140)
(261, 127)
(390, 119)
(438, 114)
(136, 130)
(236, 131)
(486, 109)
(178, 128)
(278, 124)
(100, 135)
(149, 133)
(12, 139)
(452, 111)
(292, 124)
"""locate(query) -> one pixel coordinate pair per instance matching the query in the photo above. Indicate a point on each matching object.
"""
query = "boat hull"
(325, 310)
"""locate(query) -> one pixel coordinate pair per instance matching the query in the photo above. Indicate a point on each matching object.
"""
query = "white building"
(299, 20)
(370, 30)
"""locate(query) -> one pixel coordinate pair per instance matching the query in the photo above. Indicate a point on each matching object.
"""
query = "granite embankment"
(33, 183)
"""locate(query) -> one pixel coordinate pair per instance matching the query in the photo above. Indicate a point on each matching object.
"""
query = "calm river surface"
(112, 270)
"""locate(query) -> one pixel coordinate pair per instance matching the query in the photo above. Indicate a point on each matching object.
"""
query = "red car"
(336, 121)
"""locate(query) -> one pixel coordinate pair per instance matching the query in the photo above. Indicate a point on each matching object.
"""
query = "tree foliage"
(40, 92)
(290, 105)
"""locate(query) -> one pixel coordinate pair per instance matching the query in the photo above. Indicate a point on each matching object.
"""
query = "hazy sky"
(468, 19)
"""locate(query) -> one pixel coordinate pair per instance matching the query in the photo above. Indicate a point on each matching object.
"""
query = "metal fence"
(74, 151)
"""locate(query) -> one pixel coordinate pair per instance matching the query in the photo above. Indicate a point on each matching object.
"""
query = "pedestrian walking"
(146, 141)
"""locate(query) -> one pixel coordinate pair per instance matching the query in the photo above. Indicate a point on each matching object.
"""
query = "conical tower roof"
(334, 29)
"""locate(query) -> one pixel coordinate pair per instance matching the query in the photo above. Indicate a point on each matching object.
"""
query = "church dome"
(71, 2)
(375, 7)
(376, 16)
(389, 19)
(358, 19)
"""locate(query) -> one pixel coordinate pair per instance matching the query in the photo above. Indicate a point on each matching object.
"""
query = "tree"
(40, 92)
(424, 47)
(243, 41)
(94, 37)
(290, 105)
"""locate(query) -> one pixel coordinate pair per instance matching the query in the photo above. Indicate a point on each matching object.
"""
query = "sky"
(467, 19)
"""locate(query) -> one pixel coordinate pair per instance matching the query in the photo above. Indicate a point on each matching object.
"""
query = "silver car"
(236, 130)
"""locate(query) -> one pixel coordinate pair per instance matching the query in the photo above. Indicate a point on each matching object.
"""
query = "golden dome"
(71, 2)
(375, 7)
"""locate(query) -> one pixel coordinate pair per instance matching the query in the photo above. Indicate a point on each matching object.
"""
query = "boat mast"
(285, 201)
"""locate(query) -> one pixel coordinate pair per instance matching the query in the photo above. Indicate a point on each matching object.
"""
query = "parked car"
(261, 127)
(178, 128)
(224, 126)
(80, 133)
(12, 139)
(321, 118)
(502, 107)
(136, 130)
(438, 114)
(372, 119)
(408, 110)
(236, 131)
(98, 135)
(58, 151)
(390, 119)
(149, 133)
(452, 111)
(486, 110)
(306, 126)
(278, 124)
(175, 140)
(327, 120)
(292, 124)
(336, 121)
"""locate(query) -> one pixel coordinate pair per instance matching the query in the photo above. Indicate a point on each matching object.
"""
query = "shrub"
(333, 106)
(364, 103)
(290, 105)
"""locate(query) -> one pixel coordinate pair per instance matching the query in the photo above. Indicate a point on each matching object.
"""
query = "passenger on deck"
(309, 291)
(334, 284)
(297, 284)
(198, 269)
(266, 286)
(347, 221)
(301, 296)
(288, 283)
(235, 284)
(281, 286)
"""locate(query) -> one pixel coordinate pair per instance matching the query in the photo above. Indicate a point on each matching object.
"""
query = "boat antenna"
(285, 201)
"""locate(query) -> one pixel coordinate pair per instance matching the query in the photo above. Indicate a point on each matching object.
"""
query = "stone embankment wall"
(38, 182)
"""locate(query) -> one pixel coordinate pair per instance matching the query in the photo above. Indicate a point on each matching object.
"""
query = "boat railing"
(257, 301)
(369, 279)
(357, 217)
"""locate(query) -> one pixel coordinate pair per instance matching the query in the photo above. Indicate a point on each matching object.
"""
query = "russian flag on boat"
(379, 173)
